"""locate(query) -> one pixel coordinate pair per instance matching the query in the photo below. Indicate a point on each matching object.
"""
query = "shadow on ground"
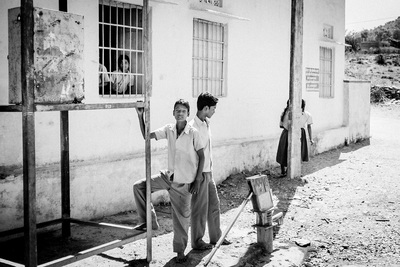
(232, 193)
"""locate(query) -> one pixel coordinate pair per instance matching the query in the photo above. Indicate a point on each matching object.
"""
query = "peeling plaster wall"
(106, 146)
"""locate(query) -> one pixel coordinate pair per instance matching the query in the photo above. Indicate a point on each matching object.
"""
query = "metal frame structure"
(28, 109)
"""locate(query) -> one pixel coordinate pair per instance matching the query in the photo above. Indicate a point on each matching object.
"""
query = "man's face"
(180, 113)
(211, 111)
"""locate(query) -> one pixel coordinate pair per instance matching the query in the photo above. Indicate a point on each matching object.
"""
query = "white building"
(248, 55)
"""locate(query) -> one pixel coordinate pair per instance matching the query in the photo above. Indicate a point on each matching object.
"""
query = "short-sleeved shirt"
(205, 136)
(183, 160)
(103, 76)
(285, 122)
(305, 119)
(122, 80)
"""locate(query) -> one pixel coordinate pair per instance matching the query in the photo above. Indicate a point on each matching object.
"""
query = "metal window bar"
(326, 72)
(121, 28)
(208, 59)
(328, 31)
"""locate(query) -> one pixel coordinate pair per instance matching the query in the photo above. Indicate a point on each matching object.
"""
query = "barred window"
(217, 3)
(120, 49)
(208, 58)
(326, 72)
(328, 31)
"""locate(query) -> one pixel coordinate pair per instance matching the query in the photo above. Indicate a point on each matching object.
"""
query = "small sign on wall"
(312, 79)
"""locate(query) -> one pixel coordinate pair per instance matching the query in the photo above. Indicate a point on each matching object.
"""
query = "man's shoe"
(143, 226)
(203, 246)
(224, 243)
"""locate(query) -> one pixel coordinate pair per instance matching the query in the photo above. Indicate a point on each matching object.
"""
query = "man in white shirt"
(205, 202)
(185, 165)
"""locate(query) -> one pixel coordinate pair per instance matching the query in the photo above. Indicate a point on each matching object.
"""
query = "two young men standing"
(188, 178)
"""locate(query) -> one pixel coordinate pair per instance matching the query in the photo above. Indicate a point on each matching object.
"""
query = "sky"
(368, 14)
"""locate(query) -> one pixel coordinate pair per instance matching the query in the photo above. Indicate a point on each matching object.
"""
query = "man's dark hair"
(206, 100)
(303, 105)
(183, 103)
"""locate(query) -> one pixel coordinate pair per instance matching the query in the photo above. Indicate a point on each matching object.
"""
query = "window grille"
(328, 31)
(120, 38)
(208, 58)
(326, 72)
(217, 3)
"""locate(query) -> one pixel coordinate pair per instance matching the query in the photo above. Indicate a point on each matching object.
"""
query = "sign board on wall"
(312, 79)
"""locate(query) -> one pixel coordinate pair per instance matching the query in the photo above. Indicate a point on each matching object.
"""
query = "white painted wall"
(106, 146)
(358, 119)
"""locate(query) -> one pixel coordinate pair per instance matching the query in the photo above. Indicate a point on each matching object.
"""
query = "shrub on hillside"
(380, 59)
(378, 95)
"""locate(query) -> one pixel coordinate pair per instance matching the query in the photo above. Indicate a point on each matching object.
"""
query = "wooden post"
(65, 174)
(147, 61)
(265, 230)
(28, 132)
(295, 89)
(65, 166)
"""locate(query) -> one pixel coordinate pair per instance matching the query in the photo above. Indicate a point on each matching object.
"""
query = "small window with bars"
(120, 49)
(326, 72)
(328, 31)
(208, 58)
(217, 3)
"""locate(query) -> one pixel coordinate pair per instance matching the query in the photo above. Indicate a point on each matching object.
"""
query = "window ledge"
(164, 2)
(218, 13)
(333, 41)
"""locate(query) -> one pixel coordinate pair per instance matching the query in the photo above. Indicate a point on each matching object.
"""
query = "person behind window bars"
(122, 79)
(185, 165)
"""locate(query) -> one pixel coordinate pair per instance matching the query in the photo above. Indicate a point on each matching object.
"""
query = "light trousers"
(205, 207)
(180, 203)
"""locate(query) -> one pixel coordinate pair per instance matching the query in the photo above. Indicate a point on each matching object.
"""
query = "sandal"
(203, 246)
(143, 226)
(226, 242)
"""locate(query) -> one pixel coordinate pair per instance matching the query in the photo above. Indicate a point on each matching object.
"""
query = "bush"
(354, 40)
(380, 60)
(378, 95)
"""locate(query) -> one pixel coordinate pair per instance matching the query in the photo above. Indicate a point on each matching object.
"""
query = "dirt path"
(347, 205)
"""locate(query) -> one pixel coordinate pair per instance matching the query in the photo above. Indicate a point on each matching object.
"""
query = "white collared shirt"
(205, 135)
(183, 160)
(305, 119)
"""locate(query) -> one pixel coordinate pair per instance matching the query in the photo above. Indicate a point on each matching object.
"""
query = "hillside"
(365, 67)
(384, 77)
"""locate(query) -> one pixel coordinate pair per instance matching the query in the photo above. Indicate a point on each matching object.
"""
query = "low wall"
(358, 109)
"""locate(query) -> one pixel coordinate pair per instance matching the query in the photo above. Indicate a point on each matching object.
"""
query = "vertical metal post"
(65, 177)
(63, 5)
(295, 88)
(28, 132)
(147, 86)
(64, 148)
